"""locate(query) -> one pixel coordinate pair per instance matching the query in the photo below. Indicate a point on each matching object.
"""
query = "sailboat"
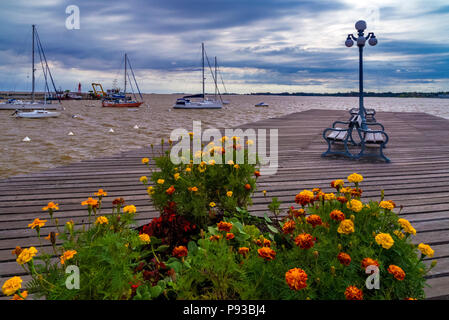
(216, 83)
(120, 100)
(35, 105)
(186, 103)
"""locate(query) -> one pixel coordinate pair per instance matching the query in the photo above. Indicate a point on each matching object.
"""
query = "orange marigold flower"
(37, 223)
(369, 262)
(266, 253)
(314, 220)
(230, 236)
(397, 272)
(298, 212)
(337, 215)
(337, 184)
(342, 199)
(193, 189)
(288, 227)
(170, 190)
(17, 251)
(23, 296)
(243, 251)
(316, 190)
(296, 278)
(67, 255)
(409, 298)
(257, 173)
(304, 241)
(247, 186)
(304, 197)
(51, 206)
(101, 193)
(266, 243)
(344, 258)
(353, 293)
(90, 202)
(214, 238)
(224, 226)
(180, 251)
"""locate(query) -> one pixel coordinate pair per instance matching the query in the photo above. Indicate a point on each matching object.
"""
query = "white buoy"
(136, 126)
(70, 133)
(26, 139)
(111, 130)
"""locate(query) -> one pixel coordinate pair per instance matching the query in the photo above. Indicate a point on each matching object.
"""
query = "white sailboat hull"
(30, 106)
(199, 105)
(37, 114)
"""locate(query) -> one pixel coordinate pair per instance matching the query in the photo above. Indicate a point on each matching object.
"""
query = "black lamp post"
(360, 26)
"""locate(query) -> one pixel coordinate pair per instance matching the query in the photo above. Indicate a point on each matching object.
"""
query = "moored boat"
(261, 104)
(36, 114)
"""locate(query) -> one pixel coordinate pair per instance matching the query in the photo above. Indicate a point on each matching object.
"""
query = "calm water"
(51, 145)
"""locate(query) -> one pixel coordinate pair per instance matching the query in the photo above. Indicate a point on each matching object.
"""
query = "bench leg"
(330, 152)
(381, 154)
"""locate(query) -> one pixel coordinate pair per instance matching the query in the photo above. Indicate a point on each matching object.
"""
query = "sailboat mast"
(32, 66)
(215, 80)
(202, 49)
(125, 75)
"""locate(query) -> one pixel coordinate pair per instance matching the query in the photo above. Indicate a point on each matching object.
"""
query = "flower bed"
(206, 245)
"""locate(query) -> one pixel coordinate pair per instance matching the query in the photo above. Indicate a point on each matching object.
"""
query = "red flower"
(180, 251)
(337, 215)
(353, 293)
(344, 258)
(229, 236)
(342, 199)
(314, 220)
(224, 226)
(304, 241)
(170, 190)
(288, 227)
(257, 173)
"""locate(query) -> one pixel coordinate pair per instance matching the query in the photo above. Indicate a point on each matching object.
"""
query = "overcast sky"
(261, 45)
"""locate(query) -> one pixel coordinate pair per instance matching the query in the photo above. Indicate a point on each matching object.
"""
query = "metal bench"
(341, 135)
(370, 138)
(369, 114)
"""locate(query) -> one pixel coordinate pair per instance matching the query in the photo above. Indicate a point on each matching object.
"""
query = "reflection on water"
(51, 145)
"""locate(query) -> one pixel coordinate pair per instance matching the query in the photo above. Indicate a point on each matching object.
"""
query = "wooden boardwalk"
(417, 178)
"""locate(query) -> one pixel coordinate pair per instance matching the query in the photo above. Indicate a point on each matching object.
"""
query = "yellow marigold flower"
(89, 202)
(405, 224)
(354, 205)
(249, 142)
(337, 184)
(102, 220)
(426, 250)
(229, 194)
(22, 296)
(188, 169)
(224, 138)
(329, 196)
(37, 223)
(150, 190)
(236, 166)
(131, 209)
(202, 167)
(212, 204)
(211, 162)
(346, 190)
(160, 181)
(384, 240)
(234, 138)
(67, 255)
(70, 223)
(386, 205)
(399, 234)
(176, 176)
(51, 206)
(26, 255)
(346, 227)
(355, 178)
(296, 278)
(231, 163)
(143, 179)
(12, 285)
(101, 193)
(191, 134)
(145, 160)
(145, 238)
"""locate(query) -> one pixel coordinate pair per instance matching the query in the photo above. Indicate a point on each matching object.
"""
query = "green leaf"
(272, 229)
(162, 248)
(155, 291)
(192, 247)
(176, 265)
(267, 219)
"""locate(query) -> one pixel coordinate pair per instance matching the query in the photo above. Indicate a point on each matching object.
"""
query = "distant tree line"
(441, 94)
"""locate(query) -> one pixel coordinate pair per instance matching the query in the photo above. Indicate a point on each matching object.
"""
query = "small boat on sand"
(261, 104)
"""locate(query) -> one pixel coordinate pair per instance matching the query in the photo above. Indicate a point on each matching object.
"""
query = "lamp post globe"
(360, 25)
(349, 43)
(372, 41)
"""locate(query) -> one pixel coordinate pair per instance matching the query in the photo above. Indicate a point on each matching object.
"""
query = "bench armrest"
(346, 123)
